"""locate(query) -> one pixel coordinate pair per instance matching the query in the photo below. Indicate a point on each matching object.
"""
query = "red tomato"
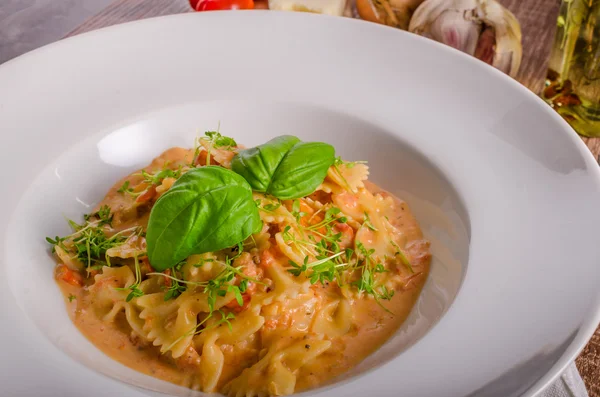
(62, 272)
(210, 5)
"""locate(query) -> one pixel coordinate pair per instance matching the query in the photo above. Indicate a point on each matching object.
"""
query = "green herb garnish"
(136, 292)
(220, 141)
(368, 223)
(55, 241)
(103, 215)
(322, 270)
(89, 241)
(157, 178)
(402, 257)
(179, 225)
(285, 167)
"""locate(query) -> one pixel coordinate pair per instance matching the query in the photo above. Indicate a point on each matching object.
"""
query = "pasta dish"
(259, 271)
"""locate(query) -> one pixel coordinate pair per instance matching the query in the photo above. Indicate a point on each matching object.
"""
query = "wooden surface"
(28, 24)
(537, 18)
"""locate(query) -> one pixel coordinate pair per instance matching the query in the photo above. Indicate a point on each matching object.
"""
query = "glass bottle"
(573, 79)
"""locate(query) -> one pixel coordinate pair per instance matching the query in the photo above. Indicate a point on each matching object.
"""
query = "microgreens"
(136, 292)
(269, 207)
(323, 270)
(402, 257)
(152, 179)
(368, 223)
(56, 241)
(368, 267)
(323, 241)
(379, 268)
(331, 237)
(203, 261)
(296, 210)
(221, 284)
(158, 177)
(103, 215)
(348, 164)
(91, 244)
(385, 293)
(176, 287)
(127, 189)
(220, 141)
(89, 241)
(197, 148)
(218, 286)
(301, 245)
(174, 291)
(198, 329)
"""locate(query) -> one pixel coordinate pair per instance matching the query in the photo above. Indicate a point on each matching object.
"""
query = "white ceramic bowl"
(503, 187)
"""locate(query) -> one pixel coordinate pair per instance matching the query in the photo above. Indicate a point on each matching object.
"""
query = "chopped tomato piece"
(309, 218)
(145, 265)
(202, 157)
(252, 271)
(234, 305)
(306, 219)
(147, 195)
(347, 235)
(167, 280)
(69, 276)
(266, 259)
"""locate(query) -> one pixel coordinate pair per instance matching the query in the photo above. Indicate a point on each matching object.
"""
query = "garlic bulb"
(394, 13)
(482, 28)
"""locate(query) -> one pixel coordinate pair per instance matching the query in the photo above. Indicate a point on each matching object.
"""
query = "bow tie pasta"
(321, 283)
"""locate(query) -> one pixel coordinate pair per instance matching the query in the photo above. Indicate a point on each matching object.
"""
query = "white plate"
(504, 188)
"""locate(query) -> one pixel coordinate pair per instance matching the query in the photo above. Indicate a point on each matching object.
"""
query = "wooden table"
(538, 19)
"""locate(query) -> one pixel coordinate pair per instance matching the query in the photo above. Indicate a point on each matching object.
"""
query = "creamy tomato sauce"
(372, 323)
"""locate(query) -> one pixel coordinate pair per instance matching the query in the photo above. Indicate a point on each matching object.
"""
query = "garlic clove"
(482, 28)
(452, 29)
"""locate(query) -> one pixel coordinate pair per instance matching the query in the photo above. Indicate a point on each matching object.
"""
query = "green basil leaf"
(258, 164)
(207, 209)
(285, 167)
(302, 170)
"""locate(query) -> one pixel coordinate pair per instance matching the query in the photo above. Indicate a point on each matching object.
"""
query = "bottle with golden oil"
(573, 79)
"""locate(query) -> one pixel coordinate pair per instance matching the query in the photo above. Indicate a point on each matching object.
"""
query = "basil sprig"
(285, 167)
(207, 209)
(211, 208)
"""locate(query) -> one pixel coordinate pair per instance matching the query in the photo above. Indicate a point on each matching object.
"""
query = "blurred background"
(28, 24)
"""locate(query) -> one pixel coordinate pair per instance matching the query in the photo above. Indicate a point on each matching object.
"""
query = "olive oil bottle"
(573, 80)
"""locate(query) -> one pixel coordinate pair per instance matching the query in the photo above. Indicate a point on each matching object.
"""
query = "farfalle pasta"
(318, 283)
